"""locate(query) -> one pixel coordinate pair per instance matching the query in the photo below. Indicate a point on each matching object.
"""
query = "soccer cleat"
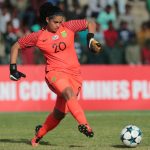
(85, 129)
(36, 139)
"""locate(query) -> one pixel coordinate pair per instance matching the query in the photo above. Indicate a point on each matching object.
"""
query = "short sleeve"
(29, 40)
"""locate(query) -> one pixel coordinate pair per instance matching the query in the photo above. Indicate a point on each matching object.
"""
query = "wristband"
(90, 36)
(13, 67)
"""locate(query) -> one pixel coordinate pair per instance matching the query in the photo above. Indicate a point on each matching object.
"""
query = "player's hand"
(93, 45)
(14, 74)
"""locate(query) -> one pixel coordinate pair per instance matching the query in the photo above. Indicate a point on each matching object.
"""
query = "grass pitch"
(16, 130)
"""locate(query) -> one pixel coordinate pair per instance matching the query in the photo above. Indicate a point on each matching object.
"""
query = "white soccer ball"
(131, 136)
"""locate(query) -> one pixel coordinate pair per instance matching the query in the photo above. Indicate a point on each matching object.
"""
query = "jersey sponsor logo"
(63, 34)
(55, 37)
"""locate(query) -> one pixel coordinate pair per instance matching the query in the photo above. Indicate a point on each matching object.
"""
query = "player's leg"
(76, 87)
(68, 89)
(77, 112)
(50, 123)
(52, 120)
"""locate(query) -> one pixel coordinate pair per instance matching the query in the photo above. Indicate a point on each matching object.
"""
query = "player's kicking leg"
(77, 112)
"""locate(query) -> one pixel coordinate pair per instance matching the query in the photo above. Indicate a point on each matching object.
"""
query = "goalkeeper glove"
(14, 74)
(93, 45)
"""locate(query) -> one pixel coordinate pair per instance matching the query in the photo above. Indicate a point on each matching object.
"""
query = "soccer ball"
(131, 136)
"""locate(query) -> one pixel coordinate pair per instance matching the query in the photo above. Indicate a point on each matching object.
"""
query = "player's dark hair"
(48, 10)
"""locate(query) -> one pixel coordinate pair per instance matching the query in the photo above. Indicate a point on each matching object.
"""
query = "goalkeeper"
(62, 75)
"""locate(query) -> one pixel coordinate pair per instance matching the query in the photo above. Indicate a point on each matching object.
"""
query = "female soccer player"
(63, 76)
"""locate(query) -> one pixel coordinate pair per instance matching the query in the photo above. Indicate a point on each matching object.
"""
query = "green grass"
(16, 130)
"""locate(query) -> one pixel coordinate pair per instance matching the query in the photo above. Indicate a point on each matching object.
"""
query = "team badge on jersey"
(64, 34)
(53, 79)
(55, 37)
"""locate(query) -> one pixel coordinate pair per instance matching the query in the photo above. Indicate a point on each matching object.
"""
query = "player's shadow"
(75, 146)
(120, 146)
(25, 141)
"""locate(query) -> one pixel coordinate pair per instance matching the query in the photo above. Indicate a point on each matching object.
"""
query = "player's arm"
(14, 73)
(26, 41)
(83, 24)
(93, 44)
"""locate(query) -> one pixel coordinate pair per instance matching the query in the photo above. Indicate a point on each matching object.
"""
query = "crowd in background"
(123, 28)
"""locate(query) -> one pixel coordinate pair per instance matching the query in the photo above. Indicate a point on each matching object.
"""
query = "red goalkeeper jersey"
(58, 48)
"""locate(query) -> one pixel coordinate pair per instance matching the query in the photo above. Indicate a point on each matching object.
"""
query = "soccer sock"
(76, 111)
(50, 123)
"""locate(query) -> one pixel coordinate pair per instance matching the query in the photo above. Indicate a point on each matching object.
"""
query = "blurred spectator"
(146, 52)
(21, 6)
(121, 6)
(81, 38)
(10, 39)
(15, 20)
(83, 13)
(115, 54)
(2, 52)
(24, 30)
(148, 6)
(139, 12)
(124, 33)
(99, 34)
(27, 54)
(143, 34)
(82, 56)
(133, 52)
(74, 9)
(104, 3)
(5, 17)
(111, 35)
(35, 27)
(93, 8)
(82, 49)
(106, 15)
(29, 16)
(127, 17)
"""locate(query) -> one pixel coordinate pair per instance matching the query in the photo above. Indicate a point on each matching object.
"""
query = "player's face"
(54, 23)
